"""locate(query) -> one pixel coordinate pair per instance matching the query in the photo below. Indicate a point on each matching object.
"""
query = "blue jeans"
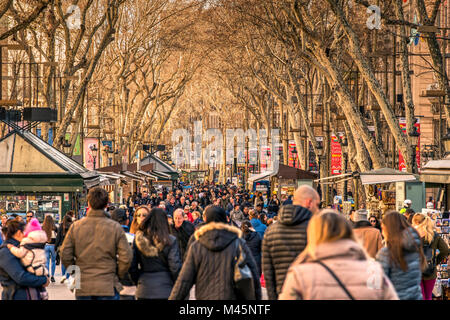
(116, 296)
(63, 271)
(50, 254)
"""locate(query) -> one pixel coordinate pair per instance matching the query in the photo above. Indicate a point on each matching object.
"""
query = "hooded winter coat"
(308, 280)
(258, 226)
(254, 242)
(154, 267)
(406, 283)
(209, 264)
(282, 243)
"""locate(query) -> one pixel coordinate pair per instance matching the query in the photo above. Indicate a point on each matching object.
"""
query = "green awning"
(41, 183)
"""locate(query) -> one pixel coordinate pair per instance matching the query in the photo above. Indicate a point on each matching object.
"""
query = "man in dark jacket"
(210, 259)
(285, 240)
(171, 206)
(182, 230)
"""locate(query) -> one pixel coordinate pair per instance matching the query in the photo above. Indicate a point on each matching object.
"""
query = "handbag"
(336, 278)
(242, 277)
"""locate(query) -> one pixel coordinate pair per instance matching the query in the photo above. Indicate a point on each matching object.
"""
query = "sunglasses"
(374, 221)
(29, 216)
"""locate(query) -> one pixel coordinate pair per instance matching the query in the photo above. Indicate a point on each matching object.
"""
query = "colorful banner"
(77, 148)
(401, 160)
(292, 156)
(89, 155)
(265, 158)
(336, 156)
(108, 143)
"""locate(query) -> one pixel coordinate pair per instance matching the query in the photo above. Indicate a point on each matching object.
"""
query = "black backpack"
(430, 256)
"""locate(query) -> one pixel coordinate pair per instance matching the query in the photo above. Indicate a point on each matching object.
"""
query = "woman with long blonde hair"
(334, 266)
(431, 242)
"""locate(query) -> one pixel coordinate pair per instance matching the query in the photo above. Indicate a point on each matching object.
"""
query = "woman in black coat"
(254, 242)
(156, 258)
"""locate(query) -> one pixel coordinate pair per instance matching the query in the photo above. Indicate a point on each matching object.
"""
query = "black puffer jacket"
(154, 268)
(254, 242)
(209, 264)
(283, 242)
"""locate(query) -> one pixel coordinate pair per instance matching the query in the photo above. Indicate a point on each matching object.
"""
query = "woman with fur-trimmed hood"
(210, 260)
(156, 257)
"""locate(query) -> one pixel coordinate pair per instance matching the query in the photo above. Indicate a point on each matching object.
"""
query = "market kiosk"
(35, 176)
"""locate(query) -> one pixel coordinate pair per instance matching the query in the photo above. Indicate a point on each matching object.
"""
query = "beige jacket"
(32, 259)
(99, 247)
(370, 239)
(364, 278)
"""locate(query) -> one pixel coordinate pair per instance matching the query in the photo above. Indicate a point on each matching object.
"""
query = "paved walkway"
(59, 291)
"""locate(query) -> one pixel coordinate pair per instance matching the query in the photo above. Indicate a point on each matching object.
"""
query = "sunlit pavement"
(59, 291)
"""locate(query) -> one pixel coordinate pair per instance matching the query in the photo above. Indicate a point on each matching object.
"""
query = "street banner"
(336, 156)
(265, 158)
(401, 160)
(108, 160)
(77, 148)
(89, 154)
(293, 157)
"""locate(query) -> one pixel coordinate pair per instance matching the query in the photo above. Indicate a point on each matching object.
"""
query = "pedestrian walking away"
(99, 247)
(208, 261)
(334, 266)
(286, 239)
(156, 258)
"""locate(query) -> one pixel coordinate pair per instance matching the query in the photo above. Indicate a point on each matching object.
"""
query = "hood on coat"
(411, 240)
(216, 236)
(256, 223)
(146, 247)
(37, 236)
(338, 249)
(291, 215)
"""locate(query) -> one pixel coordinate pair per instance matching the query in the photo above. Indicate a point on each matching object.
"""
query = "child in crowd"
(32, 251)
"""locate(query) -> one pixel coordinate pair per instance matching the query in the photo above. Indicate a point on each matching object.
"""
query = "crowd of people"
(227, 243)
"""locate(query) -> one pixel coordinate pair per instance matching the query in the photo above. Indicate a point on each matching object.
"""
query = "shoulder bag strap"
(335, 278)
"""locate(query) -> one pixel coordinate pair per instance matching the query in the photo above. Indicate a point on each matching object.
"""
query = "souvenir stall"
(35, 176)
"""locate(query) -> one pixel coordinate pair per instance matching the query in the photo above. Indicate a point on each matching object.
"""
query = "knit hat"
(360, 215)
(119, 215)
(33, 225)
(215, 214)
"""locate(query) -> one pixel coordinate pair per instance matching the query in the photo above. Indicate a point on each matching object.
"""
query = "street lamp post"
(94, 153)
(414, 140)
(345, 152)
(319, 150)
